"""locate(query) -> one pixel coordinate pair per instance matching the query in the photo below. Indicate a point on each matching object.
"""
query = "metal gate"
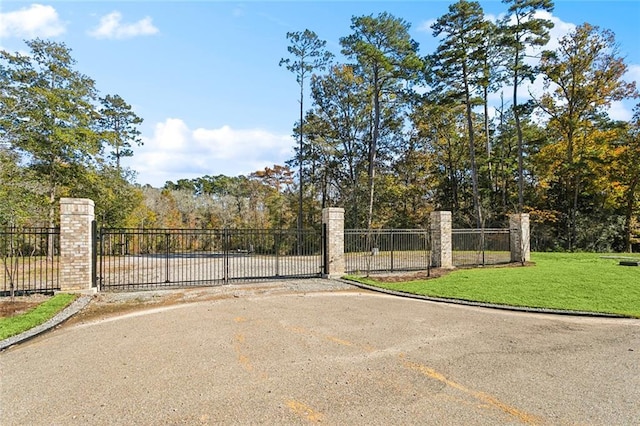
(134, 259)
(387, 250)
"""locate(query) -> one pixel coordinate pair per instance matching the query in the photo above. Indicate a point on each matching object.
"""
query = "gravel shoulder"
(108, 304)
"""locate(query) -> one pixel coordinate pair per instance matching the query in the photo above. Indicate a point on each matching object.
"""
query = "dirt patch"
(20, 304)
(413, 276)
(435, 273)
(105, 305)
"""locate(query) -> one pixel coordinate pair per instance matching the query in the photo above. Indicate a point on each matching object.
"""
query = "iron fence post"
(225, 255)
(277, 243)
(94, 254)
(482, 241)
(101, 261)
(392, 247)
(166, 236)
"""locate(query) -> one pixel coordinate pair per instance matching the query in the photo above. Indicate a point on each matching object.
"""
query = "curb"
(76, 306)
(482, 304)
(81, 302)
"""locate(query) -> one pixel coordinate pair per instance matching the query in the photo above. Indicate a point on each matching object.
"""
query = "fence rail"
(386, 250)
(151, 258)
(480, 246)
(30, 260)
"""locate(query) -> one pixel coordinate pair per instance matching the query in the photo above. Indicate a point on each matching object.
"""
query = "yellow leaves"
(543, 216)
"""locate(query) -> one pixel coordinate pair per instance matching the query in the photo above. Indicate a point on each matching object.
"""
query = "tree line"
(389, 133)
(59, 138)
(392, 134)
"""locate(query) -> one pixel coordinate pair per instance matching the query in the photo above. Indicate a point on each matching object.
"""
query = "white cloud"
(239, 11)
(176, 152)
(617, 110)
(559, 30)
(425, 26)
(29, 22)
(633, 74)
(111, 27)
(620, 110)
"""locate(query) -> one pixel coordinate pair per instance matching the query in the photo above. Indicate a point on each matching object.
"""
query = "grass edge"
(42, 313)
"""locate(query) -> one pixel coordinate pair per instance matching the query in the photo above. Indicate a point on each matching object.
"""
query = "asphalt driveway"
(343, 356)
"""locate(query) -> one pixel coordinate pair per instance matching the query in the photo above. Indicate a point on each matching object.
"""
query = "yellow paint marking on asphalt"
(299, 330)
(244, 360)
(338, 341)
(304, 411)
(481, 396)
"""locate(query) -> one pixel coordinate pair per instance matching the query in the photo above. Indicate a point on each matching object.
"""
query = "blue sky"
(204, 75)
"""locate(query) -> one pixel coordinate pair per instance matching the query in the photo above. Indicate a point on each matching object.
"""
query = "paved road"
(336, 357)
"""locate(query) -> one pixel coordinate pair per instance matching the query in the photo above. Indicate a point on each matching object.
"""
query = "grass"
(12, 326)
(568, 281)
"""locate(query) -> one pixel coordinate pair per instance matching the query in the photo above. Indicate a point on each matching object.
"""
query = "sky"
(205, 75)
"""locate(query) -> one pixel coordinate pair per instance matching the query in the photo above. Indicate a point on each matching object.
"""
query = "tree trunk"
(629, 214)
(487, 133)
(373, 146)
(300, 158)
(516, 116)
(52, 222)
(472, 153)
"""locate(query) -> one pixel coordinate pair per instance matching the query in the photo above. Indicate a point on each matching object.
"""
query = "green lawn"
(42, 313)
(568, 281)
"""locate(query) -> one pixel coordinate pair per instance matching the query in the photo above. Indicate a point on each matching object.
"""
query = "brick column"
(441, 240)
(76, 244)
(333, 230)
(519, 237)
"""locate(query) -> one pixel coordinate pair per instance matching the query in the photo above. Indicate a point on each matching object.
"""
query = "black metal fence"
(153, 258)
(386, 250)
(30, 260)
(480, 247)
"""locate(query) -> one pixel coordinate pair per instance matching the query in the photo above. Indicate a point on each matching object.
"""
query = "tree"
(20, 196)
(409, 187)
(505, 159)
(115, 197)
(459, 65)
(118, 127)
(523, 30)
(277, 183)
(440, 129)
(583, 76)
(492, 76)
(386, 56)
(629, 170)
(48, 114)
(309, 54)
(339, 127)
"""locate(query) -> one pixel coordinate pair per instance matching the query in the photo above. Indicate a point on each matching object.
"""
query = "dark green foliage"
(53, 139)
(118, 127)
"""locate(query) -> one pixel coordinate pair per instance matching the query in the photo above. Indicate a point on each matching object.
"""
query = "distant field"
(591, 282)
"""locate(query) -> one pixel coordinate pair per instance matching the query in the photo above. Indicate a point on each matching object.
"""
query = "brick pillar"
(519, 237)
(441, 240)
(333, 229)
(76, 244)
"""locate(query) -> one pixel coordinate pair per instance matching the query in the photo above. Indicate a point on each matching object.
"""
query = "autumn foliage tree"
(385, 56)
(583, 77)
(459, 68)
